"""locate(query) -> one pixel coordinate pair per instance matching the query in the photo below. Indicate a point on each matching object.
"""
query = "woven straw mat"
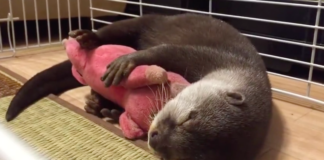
(58, 133)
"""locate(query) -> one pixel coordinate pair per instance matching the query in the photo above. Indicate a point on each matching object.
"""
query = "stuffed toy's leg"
(144, 76)
(130, 129)
(101, 107)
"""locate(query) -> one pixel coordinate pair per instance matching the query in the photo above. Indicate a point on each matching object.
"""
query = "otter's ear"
(176, 88)
(235, 98)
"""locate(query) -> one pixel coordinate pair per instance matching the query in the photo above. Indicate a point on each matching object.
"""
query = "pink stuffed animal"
(142, 94)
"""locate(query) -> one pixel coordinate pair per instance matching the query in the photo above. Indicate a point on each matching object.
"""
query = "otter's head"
(189, 125)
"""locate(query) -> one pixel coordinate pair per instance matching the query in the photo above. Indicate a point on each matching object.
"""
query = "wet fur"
(223, 115)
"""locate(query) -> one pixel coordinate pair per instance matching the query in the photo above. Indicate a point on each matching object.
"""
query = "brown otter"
(224, 114)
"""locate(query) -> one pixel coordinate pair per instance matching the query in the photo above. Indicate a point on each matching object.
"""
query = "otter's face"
(186, 128)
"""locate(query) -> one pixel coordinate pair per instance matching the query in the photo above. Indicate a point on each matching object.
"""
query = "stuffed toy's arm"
(145, 75)
(141, 76)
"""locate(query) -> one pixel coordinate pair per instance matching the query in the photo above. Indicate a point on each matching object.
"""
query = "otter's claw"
(94, 107)
(86, 38)
(118, 69)
(113, 114)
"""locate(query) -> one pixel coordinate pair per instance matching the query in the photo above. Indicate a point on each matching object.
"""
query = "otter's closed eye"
(192, 115)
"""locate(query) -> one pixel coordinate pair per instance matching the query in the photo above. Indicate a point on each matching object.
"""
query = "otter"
(224, 114)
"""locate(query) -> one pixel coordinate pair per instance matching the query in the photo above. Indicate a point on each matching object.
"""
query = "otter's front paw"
(118, 69)
(93, 105)
(87, 39)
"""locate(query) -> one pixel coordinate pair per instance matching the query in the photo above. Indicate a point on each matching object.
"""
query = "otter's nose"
(154, 134)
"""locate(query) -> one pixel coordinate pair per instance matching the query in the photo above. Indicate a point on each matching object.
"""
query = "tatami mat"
(55, 131)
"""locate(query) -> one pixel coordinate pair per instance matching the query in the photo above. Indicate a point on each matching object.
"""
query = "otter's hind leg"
(101, 107)
(124, 32)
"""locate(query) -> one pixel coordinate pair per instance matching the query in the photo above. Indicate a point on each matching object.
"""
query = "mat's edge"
(106, 125)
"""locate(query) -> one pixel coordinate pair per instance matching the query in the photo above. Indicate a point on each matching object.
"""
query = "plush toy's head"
(98, 58)
(75, 54)
(79, 56)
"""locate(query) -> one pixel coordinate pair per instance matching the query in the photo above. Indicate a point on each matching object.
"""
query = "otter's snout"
(159, 142)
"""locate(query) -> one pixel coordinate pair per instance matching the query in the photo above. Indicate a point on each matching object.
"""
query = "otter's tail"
(54, 80)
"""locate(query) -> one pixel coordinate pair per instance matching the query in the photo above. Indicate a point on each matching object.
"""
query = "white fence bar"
(7, 20)
(79, 14)
(91, 14)
(36, 20)
(141, 7)
(48, 23)
(298, 96)
(311, 69)
(282, 3)
(284, 41)
(9, 30)
(100, 21)
(294, 78)
(114, 12)
(210, 8)
(292, 60)
(59, 19)
(12, 27)
(25, 23)
(69, 13)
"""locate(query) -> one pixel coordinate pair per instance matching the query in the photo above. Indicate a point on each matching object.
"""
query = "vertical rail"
(59, 19)
(48, 23)
(9, 18)
(1, 47)
(91, 15)
(12, 26)
(69, 13)
(79, 14)
(36, 20)
(311, 69)
(25, 23)
(210, 5)
(141, 7)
